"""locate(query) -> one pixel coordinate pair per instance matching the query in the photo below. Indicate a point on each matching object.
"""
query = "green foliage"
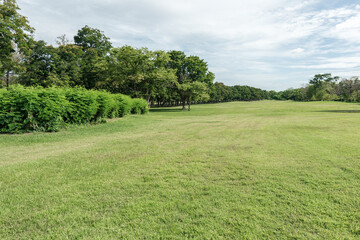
(92, 38)
(322, 87)
(139, 106)
(223, 93)
(36, 109)
(349, 90)
(124, 104)
(95, 46)
(12, 111)
(194, 80)
(137, 72)
(106, 106)
(126, 70)
(320, 79)
(50, 66)
(92, 69)
(48, 109)
(83, 105)
(15, 38)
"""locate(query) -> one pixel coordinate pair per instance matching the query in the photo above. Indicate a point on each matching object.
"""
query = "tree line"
(323, 87)
(90, 61)
(162, 78)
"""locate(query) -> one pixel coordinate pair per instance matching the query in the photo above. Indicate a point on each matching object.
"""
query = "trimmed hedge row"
(49, 109)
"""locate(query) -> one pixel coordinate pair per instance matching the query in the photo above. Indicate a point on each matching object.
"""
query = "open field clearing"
(236, 170)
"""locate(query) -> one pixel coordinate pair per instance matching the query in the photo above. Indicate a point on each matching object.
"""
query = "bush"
(139, 106)
(13, 115)
(23, 109)
(124, 104)
(47, 110)
(83, 105)
(105, 108)
(39, 109)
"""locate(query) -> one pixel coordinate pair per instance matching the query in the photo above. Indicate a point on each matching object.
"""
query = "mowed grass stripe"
(263, 169)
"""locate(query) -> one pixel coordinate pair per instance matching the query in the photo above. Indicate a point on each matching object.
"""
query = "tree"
(96, 46)
(319, 79)
(62, 40)
(189, 70)
(39, 66)
(125, 70)
(349, 89)
(220, 93)
(322, 87)
(138, 72)
(15, 38)
(50, 66)
(156, 75)
(68, 64)
(194, 91)
(92, 38)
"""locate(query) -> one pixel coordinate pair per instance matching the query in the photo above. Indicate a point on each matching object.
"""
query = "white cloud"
(333, 63)
(297, 50)
(348, 30)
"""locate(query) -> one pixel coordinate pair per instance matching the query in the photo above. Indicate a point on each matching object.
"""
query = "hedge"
(49, 109)
(139, 106)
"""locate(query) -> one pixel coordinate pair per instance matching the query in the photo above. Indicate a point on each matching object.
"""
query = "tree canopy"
(15, 38)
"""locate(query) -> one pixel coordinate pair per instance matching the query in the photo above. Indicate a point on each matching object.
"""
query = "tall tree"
(319, 79)
(138, 72)
(40, 66)
(157, 76)
(92, 38)
(349, 89)
(15, 37)
(50, 66)
(193, 91)
(189, 70)
(322, 87)
(126, 70)
(95, 46)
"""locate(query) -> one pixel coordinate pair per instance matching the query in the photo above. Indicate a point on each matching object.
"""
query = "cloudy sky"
(271, 44)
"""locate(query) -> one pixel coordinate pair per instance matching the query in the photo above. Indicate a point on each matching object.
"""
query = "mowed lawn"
(241, 170)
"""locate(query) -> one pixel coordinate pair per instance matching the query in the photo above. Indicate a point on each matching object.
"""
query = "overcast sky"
(271, 44)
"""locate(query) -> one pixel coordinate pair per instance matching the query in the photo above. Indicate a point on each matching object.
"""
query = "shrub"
(139, 106)
(106, 105)
(83, 105)
(48, 109)
(13, 115)
(124, 104)
(27, 109)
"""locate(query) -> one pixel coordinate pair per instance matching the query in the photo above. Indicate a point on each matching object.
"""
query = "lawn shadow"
(340, 111)
(165, 109)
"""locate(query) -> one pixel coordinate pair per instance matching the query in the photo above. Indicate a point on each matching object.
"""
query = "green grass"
(256, 170)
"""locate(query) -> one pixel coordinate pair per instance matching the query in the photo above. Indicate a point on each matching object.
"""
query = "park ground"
(239, 170)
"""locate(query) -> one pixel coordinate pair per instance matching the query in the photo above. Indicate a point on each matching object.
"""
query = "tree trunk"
(148, 99)
(183, 103)
(7, 79)
(189, 104)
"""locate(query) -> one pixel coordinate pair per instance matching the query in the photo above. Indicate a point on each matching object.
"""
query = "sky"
(269, 44)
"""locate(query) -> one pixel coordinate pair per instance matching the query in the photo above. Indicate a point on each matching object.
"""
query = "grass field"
(244, 170)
